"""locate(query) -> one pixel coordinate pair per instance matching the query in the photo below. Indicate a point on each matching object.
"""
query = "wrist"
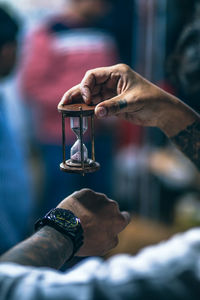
(64, 244)
(66, 223)
(46, 248)
(175, 115)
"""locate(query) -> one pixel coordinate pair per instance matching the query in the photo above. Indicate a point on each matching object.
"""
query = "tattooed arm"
(188, 141)
(47, 247)
(119, 91)
(100, 218)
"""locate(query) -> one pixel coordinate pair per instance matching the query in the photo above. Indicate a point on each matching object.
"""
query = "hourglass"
(79, 162)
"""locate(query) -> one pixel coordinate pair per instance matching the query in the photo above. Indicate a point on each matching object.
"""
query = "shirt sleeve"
(170, 270)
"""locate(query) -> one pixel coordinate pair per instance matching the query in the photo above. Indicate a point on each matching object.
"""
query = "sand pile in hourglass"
(76, 148)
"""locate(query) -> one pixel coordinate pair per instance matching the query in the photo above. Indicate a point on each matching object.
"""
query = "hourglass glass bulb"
(76, 152)
(75, 125)
(76, 148)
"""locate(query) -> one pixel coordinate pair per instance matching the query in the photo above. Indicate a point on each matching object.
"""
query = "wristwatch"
(67, 223)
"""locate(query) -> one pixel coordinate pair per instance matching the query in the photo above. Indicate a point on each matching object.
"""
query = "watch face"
(65, 219)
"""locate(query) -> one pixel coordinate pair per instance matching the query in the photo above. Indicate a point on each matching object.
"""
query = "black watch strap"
(66, 223)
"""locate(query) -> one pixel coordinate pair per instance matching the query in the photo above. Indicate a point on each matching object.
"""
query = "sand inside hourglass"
(76, 148)
(76, 152)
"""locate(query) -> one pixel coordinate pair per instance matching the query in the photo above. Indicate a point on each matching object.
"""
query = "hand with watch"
(100, 219)
(65, 222)
(84, 224)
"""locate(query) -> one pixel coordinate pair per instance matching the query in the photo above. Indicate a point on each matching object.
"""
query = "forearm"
(175, 115)
(188, 141)
(47, 247)
(182, 125)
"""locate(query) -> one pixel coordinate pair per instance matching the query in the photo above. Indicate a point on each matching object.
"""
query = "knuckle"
(123, 67)
(89, 74)
(87, 191)
(113, 204)
(113, 107)
(102, 195)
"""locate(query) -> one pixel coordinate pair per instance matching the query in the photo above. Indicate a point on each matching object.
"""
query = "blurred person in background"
(58, 53)
(164, 173)
(15, 184)
(184, 65)
(180, 181)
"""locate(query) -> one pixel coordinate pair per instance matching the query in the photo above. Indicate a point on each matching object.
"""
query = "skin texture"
(188, 141)
(101, 221)
(119, 91)
(47, 247)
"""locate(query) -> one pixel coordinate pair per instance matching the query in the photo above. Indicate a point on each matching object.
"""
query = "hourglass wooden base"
(79, 110)
(70, 167)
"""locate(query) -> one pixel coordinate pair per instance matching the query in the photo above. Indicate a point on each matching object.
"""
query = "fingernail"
(84, 97)
(85, 90)
(101, 112)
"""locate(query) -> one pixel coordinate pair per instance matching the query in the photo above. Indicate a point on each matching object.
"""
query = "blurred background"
(45, 48)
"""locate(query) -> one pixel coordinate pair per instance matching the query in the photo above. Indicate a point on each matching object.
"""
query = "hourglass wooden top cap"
(76, 109)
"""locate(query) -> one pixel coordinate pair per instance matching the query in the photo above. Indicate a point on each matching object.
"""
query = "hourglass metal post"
(92, 133)
(81, 137)
(63, 138)
(79, 161)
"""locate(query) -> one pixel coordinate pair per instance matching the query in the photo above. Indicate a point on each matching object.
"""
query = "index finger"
(126, 220)
(91, 79)
(71, 96)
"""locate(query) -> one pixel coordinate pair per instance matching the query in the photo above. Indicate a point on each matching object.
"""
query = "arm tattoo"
(122, 103)
(47, 247)
(188, 141)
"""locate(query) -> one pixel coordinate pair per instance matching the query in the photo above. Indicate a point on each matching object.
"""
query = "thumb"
(126, 220)
(111, 107)
(127, 217)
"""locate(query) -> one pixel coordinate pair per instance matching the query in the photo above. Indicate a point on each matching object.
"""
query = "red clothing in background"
(57, 57)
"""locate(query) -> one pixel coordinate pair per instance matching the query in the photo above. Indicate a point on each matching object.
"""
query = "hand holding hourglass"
(119, 91)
